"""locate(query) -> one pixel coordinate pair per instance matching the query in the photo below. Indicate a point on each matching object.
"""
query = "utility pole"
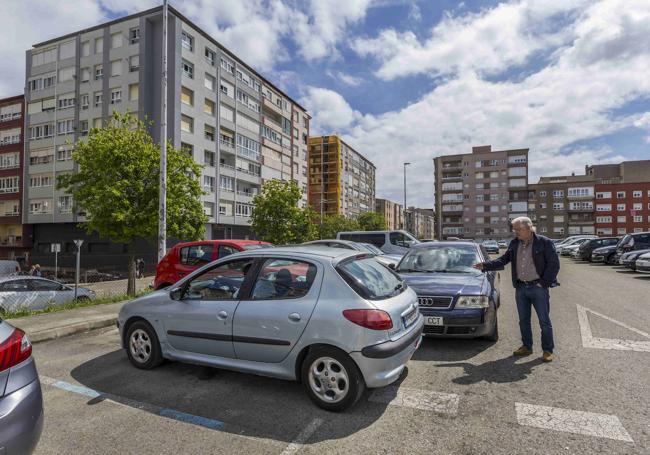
(405, 223)
(162, 190)
(78, 243)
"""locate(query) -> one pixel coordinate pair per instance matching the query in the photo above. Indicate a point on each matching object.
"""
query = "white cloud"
(346, 78)
(334, 113)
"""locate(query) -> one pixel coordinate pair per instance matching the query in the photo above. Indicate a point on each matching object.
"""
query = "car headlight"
(473, 301)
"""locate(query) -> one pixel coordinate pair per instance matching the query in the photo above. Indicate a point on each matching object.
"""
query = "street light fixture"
(405, 164)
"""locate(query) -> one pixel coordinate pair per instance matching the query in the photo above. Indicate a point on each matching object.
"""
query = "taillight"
(370, 319)
(14, 350)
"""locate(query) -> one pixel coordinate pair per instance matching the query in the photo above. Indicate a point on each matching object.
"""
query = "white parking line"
(570, 421)
(589, 341)
(302, 437)
(442, 403)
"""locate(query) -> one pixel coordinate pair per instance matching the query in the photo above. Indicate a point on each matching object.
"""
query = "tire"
(609, 260)
(145, 353)
(494, 336)
(83, 298)
(324, 364)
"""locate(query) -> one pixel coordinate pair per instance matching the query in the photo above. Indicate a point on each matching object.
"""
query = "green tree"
(277, 218)
(330, 225)
(371, 221)
(117, 186)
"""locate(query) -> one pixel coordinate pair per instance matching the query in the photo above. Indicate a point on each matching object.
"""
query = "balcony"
(452, 167)
(455, 176)
(581, 209)
(581, 198)
(227, 145)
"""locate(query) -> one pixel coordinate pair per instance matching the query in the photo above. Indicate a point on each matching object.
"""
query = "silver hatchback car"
(334, 319)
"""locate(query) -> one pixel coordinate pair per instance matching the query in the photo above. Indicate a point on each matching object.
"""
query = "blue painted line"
(191, 418)
(78, 389)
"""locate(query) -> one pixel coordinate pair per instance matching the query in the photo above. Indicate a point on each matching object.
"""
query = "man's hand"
(479, 266)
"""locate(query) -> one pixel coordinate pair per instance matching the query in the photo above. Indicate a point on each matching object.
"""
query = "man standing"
(535, 266)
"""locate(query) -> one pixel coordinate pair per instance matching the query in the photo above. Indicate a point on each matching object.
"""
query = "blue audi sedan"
(454, 298)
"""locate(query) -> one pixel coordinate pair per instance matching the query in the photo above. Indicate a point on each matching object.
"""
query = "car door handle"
(294, 317)
(222, 314)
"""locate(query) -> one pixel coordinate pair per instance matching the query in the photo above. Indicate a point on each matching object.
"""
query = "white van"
(8, 268)
(390, 242)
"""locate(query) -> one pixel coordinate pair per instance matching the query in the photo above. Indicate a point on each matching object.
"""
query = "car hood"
(635, 253)
(152, 298)
(604, 249)
(445, 283)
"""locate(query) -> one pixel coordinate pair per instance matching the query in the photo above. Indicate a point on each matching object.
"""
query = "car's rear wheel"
(332, 379)
(494, 335)
(142, 346)
(610, 259)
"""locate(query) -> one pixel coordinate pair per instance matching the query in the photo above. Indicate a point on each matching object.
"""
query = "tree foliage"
(371, 221)
(330, 225)
(277, 217)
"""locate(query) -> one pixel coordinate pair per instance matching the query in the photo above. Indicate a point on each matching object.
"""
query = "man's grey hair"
(524, 221)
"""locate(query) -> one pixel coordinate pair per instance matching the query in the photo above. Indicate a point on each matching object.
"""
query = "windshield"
(256, 246)
(372, 248)
(370, 279)
(441, 259)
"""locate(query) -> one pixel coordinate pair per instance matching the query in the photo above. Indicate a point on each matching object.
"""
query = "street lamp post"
(405, 164)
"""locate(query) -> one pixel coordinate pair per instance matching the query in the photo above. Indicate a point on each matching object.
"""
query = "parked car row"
(337, 315)
(631, 251)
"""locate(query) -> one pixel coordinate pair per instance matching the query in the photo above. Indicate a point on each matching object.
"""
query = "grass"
(114, 298)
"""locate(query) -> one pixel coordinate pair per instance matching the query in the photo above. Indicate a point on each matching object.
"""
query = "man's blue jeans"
(538, 297)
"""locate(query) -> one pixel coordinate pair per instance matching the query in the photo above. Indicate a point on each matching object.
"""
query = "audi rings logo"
(425, 301)
(433, 301)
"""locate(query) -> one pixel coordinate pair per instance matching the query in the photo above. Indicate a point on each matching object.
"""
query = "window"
(542, 194)
(248, 80)
(85, 49)
(638, 219)
(558, 206)
(9, 160)
(41, 131)
(519, 171)
(558, 230)
(134, 63)
(11, 136)
(208, 209)
(116, 96)
(187, 148)
(520, 159)
(210, 56)
(227, 89)
(43, 57)
(581, 192)
(187, 124)
(98, 99)
(187, 96)
(208, 107)
(370, 279)
(99, 45)
(66, 101)
(65, 204)
(603, 207)
(620, 194)
(66, 74)
(226, 113)
(620, 207)
(542, 205)
(64, 154)
(134, 92)
(636, 194)
(209, 133)
(227, 65)
(8, 184)
(209, 158)
(227, 183)
(558, 219)
(99, 72)
(97, 123)
(603, 219)
(116, 68)
(208, 183)
(621, 219)
(188, 69)
(558, 193)
(621, 231)
(637, 206)
(283, 279)
(221, 282)
(603, 195)
(116, 40)
(247, 101)
(11, 112)
(40, 180)
(83, 126)
(223, 210)
(134, 36)
(85, 74)
(245, 210)
(187, 41)
(65, 126)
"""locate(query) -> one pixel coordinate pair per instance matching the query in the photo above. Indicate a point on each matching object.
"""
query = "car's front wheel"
(494, 335)
(332, 379)
(142, 346)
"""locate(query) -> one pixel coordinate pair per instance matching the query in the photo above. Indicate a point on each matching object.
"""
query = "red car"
(186, 257)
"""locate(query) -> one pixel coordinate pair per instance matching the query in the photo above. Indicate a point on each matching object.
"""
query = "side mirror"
(392, 266)
(176, 293)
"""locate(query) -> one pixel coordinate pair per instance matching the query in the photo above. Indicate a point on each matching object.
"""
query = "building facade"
(392, 212)
(341, 180)
(421, 223)
(234, 122)
(15, 238)
(563, 205)
(478, 193)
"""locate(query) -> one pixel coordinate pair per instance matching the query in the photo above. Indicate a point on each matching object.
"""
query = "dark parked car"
(585, 250)
(606, 254)
(21, 400)
(631, 242)
(629, 259)
(455, 298)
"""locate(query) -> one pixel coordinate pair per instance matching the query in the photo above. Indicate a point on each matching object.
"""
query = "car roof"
(426, 245)
(304, 250)
(24, 277)
(341, 241)
(220, 242)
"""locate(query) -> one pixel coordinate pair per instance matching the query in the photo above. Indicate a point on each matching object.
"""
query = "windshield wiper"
(412, 270)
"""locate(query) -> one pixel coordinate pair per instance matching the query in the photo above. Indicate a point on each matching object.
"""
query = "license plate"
(409, 319)
(433, 320)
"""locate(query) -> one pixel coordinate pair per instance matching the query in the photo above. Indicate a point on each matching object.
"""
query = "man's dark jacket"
(547, 263)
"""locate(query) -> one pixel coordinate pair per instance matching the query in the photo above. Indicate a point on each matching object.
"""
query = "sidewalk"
(48, 326)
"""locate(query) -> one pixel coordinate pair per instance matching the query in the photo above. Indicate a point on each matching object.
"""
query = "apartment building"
(421, 222)
(341, 180)
(622, 197)
(241, 127)
(478, 193)
(15, 238)
(563, 205)
(392, 212)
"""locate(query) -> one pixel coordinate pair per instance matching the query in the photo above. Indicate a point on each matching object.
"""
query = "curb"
(72, 329)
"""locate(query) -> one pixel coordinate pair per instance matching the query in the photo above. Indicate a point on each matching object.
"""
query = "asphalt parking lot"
(457, 397)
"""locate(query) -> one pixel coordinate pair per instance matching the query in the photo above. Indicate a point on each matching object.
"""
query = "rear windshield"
(370, 279)
(256, 246)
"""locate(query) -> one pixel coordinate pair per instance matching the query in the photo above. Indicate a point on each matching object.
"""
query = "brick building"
(392, 212)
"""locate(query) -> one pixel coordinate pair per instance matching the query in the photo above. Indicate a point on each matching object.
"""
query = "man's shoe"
(522, 351)
(547, 357)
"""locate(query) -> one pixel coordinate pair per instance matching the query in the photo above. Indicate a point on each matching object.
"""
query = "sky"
(406, 80)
